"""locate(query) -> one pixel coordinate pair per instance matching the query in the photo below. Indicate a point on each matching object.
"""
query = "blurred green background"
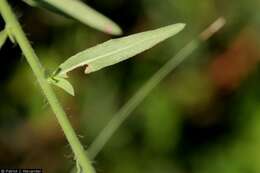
(204, 118)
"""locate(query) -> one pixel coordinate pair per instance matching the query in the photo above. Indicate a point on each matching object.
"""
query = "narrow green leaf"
(3, 37)
(81, 12)
(63, 84)
(117, 50)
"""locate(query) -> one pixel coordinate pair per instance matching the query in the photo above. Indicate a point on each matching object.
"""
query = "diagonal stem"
(16, 30)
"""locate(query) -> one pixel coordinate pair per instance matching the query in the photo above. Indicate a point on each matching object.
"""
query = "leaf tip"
(181, 26)
(113, 29)
(72, 93)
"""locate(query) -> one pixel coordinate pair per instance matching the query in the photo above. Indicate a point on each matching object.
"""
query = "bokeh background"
(204, 118)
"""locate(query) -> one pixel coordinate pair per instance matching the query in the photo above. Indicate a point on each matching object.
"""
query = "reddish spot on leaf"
(108, 29)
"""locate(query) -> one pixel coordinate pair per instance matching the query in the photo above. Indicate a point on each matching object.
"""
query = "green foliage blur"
(204, 118)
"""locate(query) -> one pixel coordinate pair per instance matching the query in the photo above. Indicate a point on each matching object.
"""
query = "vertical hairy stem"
(17, 33)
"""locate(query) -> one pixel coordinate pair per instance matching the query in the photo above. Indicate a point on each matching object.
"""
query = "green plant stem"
(16, 30)
(144, 91)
